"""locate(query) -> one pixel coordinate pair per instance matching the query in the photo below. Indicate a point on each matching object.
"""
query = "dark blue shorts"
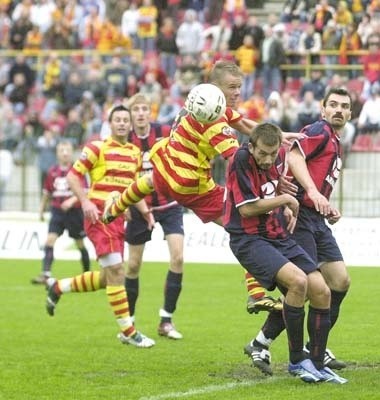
(315, 237)
(71, 220)
(263, 257)
(171, 221)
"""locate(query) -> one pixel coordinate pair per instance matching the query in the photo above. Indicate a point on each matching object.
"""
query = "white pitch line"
(209, 389)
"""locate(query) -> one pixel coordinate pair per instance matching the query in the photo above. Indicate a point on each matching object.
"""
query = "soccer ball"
(206, 103)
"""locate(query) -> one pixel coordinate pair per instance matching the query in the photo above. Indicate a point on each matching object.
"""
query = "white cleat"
(168, 329)
(138, 340)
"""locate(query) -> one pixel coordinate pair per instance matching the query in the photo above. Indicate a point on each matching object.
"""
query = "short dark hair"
(339, 91)
(269, 134)
(118, 107)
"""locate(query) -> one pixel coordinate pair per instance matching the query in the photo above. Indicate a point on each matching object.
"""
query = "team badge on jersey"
(227, 130)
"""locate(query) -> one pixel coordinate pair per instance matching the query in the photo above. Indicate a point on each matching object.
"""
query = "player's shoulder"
(320, 127)
(242, 154)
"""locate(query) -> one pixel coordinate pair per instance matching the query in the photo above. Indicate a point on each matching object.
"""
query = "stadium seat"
(363, 143)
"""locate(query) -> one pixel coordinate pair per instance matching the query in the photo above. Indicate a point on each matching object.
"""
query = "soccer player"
(315, 163)
(258, 221)
(66, 212)
(181, 163)
(166, 211)
(111, 165)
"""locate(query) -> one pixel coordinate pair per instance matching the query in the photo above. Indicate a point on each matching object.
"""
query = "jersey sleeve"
(243, 180)
(87, 159)
(317, 135)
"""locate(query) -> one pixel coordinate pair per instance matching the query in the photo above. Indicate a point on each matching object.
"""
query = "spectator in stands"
(22, 8)
(53, 68)
(88, 6)
(371, 64)
(19, 30)
(316, 84)
(24, 153)
(189, 38)
(188, 75)
(92, 23)
(311, 43)
(295, 8)
(152, 65)
(308, 110)
(218, 33)
(18, 93)
(46, 153)
(133, 86)
(232, 9)
(96, 84)
(33, 42)
(115, 10)
(167, 47)
(41, 14)
(290, 106)
(350, 43)
(129, 23)
(74, 130)
(21, 66)
(254, 28)
(247, 57)
(115, 77)
(274, 110)
(213, 11)
(331, 40)
(238, 31)
(369, 118)
(293, 44)
(33, 127)
(90, 113)
(223, 53)
(58, 36)
(365, 29)
(272, 56)
(73, 15)
(152, 89)
(323, 12)
(357, 9)
(73, 90)
(10, 130)
(168, 110)
(343, 16)
(147, 26)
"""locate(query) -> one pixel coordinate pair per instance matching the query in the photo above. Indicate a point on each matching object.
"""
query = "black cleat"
(260, 358)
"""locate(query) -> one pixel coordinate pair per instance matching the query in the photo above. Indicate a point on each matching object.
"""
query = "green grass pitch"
(75, 355)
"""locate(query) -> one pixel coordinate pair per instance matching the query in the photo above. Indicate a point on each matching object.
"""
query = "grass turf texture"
(75, 355)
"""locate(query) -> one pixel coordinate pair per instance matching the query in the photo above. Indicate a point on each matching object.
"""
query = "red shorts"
(208, 206)
(106, 238)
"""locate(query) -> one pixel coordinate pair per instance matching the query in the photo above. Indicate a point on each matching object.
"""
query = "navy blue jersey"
(145, 143)
(321, 150)
(247, 183)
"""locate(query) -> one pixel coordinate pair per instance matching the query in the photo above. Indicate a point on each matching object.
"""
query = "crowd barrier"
(22, 236)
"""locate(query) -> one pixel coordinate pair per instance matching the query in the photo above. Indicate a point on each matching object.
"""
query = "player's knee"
(299, 284)
(133, 269)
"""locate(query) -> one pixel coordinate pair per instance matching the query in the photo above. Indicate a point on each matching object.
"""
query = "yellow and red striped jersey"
(184, 158)
(110, 165)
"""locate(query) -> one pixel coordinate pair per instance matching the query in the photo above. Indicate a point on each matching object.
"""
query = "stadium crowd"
(163, 49)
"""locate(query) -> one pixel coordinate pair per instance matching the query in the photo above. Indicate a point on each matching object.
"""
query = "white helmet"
(206, 103)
